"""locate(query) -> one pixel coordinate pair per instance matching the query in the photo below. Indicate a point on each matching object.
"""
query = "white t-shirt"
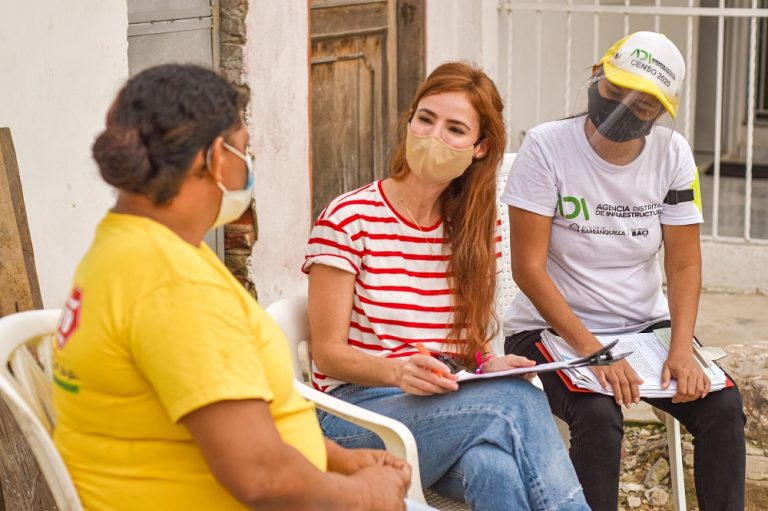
(606, 228)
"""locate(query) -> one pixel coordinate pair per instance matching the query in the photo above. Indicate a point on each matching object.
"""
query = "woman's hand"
(423, 375)
(350, 461)
(381, 488)
(622, 379)
(692, 383)
(509, 362)
(383, 477)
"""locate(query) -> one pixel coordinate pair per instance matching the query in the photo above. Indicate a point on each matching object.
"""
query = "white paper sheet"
(649, 352)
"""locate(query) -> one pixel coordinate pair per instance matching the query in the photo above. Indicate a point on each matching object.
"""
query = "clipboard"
(601, 357)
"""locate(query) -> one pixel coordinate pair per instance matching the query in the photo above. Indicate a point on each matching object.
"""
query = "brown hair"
(468, 206)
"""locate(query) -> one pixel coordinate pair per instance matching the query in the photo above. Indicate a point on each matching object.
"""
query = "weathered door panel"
(354, 96)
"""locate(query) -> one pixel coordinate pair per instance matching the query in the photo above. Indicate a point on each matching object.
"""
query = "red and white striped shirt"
(401, 292)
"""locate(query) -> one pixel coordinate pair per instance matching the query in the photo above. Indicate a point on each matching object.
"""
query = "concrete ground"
(724, 318)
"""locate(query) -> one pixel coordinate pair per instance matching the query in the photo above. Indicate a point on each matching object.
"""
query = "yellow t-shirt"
(154, 329)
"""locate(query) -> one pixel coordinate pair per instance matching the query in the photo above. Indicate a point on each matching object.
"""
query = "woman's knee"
(732, 407)
(722, 410)
(487, 460)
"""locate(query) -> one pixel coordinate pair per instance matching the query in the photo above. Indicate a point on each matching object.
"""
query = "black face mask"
(624, 125)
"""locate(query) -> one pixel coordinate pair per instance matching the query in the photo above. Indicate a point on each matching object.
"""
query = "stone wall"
(748, 365)
(239, 236)
(232, 34)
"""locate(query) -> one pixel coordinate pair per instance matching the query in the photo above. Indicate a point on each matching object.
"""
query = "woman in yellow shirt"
(173, 388)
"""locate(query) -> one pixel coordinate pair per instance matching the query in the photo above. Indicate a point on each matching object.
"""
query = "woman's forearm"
(683, 291)
(245, 452)
(541, 290)
(682, 266)
(348, 364)
(297, 485)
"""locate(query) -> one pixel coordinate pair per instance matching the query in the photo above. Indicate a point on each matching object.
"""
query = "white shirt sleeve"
(684, 178)
(531, 184)
(331, 244)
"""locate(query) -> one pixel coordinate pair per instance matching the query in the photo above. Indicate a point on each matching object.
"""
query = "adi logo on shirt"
(70, 317)
(574, 206)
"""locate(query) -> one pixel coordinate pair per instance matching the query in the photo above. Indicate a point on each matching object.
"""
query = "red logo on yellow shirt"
(70, 317)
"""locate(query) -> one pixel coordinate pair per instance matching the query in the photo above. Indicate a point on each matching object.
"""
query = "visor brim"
(622, 78)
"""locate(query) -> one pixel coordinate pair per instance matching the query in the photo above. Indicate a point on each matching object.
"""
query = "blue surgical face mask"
(234, 202)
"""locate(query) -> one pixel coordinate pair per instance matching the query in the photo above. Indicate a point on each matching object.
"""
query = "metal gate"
(547, 47)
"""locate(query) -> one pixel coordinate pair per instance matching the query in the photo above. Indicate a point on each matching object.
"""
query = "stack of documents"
(648, 353)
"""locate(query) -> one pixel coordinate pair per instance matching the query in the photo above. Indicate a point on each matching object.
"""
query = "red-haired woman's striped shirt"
(401, 292)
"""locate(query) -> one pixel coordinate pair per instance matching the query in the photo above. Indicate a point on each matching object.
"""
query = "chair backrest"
(291, 316)
(27, 392)
(505, 286)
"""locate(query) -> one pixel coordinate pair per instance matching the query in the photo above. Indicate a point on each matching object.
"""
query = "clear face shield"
(623, 122)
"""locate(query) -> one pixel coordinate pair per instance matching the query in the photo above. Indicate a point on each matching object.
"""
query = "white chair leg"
(675, 446)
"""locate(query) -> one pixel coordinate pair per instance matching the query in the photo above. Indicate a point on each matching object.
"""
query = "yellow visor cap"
(647, 62)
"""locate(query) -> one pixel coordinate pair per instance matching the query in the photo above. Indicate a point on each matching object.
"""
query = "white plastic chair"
(505, 293)
(506, 289)
(290, 314)
(27, 392)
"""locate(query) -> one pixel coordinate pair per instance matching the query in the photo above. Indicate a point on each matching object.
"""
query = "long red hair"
(467, 206)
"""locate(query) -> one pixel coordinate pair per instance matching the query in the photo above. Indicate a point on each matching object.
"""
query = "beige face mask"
(433, 161)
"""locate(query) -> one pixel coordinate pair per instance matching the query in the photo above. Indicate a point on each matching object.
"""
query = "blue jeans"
(492, 444)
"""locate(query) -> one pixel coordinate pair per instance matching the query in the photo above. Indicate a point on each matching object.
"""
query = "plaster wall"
(463, 30)
(61, 70)
(277, 69)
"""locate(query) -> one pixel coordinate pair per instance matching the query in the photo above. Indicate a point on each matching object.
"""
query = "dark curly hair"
(161, 118)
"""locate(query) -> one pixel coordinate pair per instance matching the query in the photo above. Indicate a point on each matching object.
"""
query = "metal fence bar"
(657, 18)
(750, 124)
(734, 240)
(568, 47)
(688, 59)
(763, 99)
(596, 34)
(718, 122)
(510, 67)
(538, 64)
(758, 16)
(711, 12)
(626, 19)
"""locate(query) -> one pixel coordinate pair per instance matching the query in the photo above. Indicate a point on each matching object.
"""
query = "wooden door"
(354, 83)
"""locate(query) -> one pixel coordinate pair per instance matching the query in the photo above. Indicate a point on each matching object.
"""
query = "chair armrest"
(397, 438)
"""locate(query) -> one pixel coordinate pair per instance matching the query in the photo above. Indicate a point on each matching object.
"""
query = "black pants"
(597, 428)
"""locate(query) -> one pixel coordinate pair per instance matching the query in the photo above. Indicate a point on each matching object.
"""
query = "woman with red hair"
(408, 264)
